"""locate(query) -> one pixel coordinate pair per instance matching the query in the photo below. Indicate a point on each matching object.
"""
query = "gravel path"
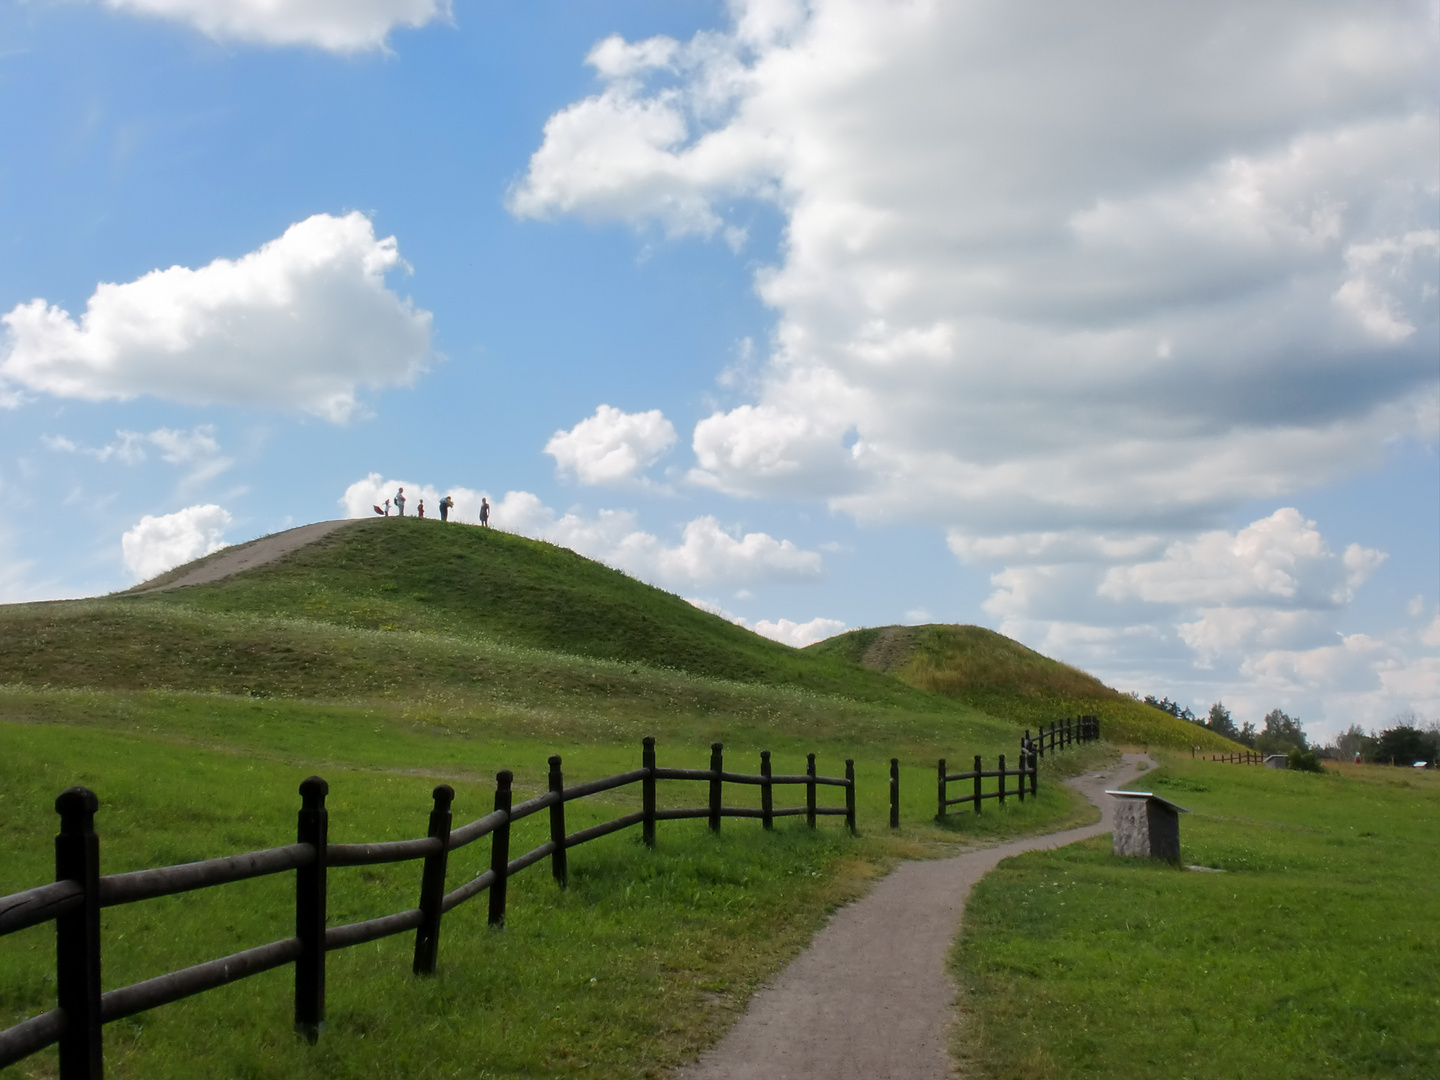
(870, 998)
(243, 556)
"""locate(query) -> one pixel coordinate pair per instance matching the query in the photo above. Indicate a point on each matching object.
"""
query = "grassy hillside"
(394, 654)
(999, 676)
(420, 575)
(465, 622)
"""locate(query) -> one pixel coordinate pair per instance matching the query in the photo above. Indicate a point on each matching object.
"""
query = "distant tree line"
(1405, 742)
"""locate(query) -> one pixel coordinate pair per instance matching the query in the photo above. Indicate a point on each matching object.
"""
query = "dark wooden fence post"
(850, 796)
(500, 848)
(312, 828)
(647, 790)
(894, 793)
(767, 792)
(432, 884)
(978, 768)
(77, 937)
(1002, 779)
(717, 765)
(940, 813)
(559, 863)
(1020, 769)
(810, 790)
(1034, 772)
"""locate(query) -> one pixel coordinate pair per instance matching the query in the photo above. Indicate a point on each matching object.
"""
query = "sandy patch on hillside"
(241, 557)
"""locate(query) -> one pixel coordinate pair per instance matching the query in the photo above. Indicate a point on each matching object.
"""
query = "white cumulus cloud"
(1038, 282)
(303, 322)
(785, 631)
(343, 26)
(157, 544)
(1281, 560)
(612, 447)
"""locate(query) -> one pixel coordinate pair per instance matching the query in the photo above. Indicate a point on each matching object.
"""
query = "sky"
(1112, 326)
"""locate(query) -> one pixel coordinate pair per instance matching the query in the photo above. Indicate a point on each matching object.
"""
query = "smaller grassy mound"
(1309, 956)
(999, 676)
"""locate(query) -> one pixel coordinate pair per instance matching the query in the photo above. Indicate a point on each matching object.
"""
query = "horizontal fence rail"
(1245, 757)
(74, 900)
(1057, 736)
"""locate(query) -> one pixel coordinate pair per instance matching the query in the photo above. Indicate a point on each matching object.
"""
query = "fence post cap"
(503, 779)
(764, 755)
(313, 790)
(444, 795)
(554, 761)
(76, 806)
(649, 740)
(717, 746)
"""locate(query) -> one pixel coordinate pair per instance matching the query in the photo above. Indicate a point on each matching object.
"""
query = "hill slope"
(454, 618)
(998, 675)
(468, 621)
(399, 574)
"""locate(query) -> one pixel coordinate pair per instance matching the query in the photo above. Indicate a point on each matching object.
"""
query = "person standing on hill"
(445, 504)
(485, 512)
(422, 507)
(400, 502)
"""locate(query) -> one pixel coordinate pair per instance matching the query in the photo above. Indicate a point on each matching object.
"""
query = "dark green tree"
(1165, 705)
(1219, 721)
(1281, 733)
(1406, 745)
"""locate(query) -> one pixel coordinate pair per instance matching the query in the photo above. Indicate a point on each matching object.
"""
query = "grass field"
(675, 939)
(1313, 955)
(397, 654)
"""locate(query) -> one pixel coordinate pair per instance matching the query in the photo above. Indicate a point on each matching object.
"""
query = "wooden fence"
(1058, 736)
(1065, 733)
(1246, 757)
(75, 899)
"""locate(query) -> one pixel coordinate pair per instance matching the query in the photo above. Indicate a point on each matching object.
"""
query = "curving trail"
(870, 997)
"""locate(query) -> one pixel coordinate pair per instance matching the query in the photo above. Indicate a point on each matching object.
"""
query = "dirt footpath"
(870, 997)
(243, 557)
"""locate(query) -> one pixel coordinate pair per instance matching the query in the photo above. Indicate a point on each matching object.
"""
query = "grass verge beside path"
(674, 940)
(1311, 956)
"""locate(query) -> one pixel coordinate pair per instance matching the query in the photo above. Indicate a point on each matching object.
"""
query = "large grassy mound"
(405, 606)
(456, 621)
(997, 675)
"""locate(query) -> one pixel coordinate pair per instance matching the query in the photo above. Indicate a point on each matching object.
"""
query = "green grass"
(993, 674)
(1311, 956)
(676, 939)
(466, 582)
(393, 655)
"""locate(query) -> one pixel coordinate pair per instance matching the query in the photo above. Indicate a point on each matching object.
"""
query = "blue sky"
(1113, 328)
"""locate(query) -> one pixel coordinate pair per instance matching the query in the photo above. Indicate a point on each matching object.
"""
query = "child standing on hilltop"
(400, 502)
(422, 508)
(485, 512)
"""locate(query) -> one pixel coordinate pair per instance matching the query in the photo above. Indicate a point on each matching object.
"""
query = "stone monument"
(1147, 826)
